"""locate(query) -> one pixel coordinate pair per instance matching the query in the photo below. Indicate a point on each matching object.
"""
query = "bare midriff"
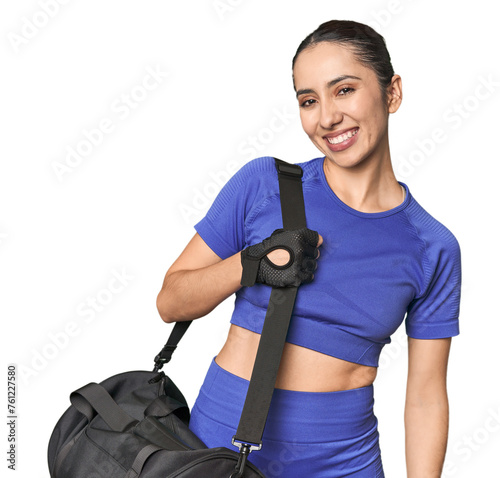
(301, 369)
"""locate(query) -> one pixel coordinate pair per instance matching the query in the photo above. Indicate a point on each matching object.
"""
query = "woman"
(382, 257)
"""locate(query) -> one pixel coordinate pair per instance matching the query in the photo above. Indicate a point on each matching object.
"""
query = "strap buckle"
(289, 169)
(251, 446)
(164, 356)
(245, 450)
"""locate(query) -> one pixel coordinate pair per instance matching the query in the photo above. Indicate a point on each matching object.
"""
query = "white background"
(131, 202)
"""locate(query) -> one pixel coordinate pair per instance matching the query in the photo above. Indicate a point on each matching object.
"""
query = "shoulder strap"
(272, 341)
(291, 195)
(279, 311)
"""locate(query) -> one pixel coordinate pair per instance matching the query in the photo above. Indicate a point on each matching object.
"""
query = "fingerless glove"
(302, 247)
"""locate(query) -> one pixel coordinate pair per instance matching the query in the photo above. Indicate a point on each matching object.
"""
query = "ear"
(394, 94)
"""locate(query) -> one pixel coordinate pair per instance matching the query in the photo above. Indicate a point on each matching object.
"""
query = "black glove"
(302, 246)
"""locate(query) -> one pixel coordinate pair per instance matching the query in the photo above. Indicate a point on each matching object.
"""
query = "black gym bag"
(135, 424)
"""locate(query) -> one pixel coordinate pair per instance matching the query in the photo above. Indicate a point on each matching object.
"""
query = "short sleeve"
(223, 227)
(434, 314)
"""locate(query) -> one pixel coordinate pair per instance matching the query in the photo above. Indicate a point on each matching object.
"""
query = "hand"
(280, 257)
(285, 259)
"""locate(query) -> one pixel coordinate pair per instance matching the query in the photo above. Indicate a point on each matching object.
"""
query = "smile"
(342, 137)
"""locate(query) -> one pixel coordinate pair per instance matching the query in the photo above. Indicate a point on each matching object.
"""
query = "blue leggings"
(307, 434)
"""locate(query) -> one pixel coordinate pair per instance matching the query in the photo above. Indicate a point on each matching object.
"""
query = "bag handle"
(94, 397)
(140, 460)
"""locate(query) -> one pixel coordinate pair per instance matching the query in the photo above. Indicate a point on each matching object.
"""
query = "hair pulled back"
(366, 44)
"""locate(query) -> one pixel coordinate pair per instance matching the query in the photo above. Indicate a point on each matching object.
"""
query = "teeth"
(342, 137)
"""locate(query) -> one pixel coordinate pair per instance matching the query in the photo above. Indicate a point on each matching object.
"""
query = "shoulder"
(262, 164)
(429, 229)
(312, 169)
(439, 245)
(253, 174)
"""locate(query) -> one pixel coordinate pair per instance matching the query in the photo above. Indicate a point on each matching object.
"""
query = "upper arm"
(190, 288)
(434, 312)
(427, 366)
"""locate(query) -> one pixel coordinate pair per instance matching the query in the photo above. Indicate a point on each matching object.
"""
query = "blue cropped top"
(374, 268)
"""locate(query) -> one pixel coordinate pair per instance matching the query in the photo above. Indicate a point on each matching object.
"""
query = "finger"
(309, 265)
(315, 239)
(310, 250)
(308, 236)
(308, 278)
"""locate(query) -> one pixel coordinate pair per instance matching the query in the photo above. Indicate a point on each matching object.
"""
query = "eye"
(345, 91)
(307, 103)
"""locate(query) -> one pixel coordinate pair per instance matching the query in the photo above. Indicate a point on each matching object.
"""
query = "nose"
(330, 114)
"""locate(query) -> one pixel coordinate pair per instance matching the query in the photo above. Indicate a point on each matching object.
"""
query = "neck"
(367, 187)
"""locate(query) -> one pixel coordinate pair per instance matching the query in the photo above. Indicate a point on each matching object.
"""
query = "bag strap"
(168, 349)
(293, 210)
(274, 332)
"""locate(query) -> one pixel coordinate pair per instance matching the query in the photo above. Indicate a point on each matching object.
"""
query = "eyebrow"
(331, 83)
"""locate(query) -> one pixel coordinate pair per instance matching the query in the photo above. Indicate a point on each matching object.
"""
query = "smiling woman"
(383, 258)
(344, 109)
(346, 88)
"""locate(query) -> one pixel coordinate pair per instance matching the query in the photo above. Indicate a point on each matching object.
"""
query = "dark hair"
(367, 45)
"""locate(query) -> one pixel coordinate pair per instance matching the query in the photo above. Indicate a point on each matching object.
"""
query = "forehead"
(323, 62)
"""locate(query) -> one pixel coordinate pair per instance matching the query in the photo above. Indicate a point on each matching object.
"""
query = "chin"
(344, 161)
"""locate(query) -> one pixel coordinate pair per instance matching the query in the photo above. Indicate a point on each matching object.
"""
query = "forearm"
(426, 425)
(190, 294)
